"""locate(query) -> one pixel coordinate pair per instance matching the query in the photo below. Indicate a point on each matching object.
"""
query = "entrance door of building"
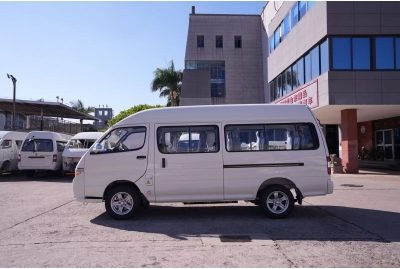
(384, 143)
(396, 142)
(332, 139)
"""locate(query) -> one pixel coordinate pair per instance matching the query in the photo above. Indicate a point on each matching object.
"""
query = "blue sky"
(98, 52)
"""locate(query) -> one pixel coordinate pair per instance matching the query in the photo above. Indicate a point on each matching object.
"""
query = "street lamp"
(14, 80)
(57, 98)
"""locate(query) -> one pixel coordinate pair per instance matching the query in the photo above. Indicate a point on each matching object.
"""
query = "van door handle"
(141, 157)
(163, 162)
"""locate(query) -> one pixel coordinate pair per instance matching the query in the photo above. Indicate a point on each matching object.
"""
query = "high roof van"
(10, 143)
(76, 148)
(42, 151)
(271, 155)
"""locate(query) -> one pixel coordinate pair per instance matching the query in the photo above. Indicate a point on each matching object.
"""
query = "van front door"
(188, 163)
(123, 156)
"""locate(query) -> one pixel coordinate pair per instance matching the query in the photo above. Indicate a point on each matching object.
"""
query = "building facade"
(223, 60)
(104, 114)
(342, 59)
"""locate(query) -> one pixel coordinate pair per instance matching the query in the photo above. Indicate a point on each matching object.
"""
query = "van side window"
(124, 139)
(6, 144)
(267, 137)
(188, 139)
(61, 145)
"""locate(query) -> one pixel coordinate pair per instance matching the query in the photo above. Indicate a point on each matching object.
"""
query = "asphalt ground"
(41, 226)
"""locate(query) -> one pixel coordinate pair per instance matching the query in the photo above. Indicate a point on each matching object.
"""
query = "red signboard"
(305, 95)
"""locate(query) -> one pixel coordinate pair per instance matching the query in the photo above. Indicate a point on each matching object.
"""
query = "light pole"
(14, 80)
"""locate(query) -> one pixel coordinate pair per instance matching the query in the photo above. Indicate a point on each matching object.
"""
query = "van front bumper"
(330, 187)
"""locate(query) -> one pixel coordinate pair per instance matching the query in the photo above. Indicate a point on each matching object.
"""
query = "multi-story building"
(104, 114)
(342, 59)
(223, 60)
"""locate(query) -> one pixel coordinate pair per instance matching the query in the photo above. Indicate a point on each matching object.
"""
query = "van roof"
(18, 134)
(88, 135)
(218, 113)
(49, 135)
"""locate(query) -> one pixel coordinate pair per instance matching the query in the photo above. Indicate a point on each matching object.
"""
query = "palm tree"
(79, 106)
(167, 93)
(168, 82)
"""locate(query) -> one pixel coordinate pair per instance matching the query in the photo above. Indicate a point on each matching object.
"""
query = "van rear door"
(37, 153)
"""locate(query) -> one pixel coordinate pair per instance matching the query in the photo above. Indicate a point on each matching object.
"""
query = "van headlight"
(79, 171)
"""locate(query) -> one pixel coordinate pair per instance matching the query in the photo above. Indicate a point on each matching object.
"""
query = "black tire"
(123, 190)
(282, 207)
(30, 173)
(6, 167)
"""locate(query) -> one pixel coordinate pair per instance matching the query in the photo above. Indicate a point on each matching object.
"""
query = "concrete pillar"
(340, 141)
(28, 122)
(349, 140)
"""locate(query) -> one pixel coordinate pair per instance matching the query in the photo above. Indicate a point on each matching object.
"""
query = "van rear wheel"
(122, 202)
(6, 167)
(277, 202)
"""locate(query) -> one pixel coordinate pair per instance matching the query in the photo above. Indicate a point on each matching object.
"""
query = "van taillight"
(328, 160)
(54, 158)
(19, 158)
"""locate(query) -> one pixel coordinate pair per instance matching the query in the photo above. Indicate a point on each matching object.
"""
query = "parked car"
(138, 160)
(76, 148)
(10, 143)
(42, 151)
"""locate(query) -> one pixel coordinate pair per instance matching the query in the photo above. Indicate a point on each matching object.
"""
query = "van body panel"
(189, 176)
(101, 169)
(39, 156)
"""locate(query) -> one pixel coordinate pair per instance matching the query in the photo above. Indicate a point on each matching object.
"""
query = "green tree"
(125, 113)
(168, 82)
(78, 105)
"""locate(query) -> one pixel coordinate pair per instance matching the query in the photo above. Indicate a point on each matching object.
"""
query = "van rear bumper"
(330, 187)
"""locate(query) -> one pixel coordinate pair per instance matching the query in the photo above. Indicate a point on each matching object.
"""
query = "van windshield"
(80, 143)
(42, 145)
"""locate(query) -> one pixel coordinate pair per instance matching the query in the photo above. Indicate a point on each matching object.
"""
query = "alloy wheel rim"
(277, 202)
(122, 203)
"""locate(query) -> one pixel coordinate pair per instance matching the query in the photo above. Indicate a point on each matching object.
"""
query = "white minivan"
(10, 143)
(76, 148)
(42, 151)
(237, 156)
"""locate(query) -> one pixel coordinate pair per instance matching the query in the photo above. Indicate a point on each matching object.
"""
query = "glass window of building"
(315, 62)
(384, 53)
(271, 44)
(295, 14)
(218, 41)
(286, 26)
(300, 71)
(271, 90)
(279, 88)
(324, 56)
(238, 41)
(295, 81)
(284, 89)
(341, 53)
(361, 53)
(200, 41)
(307, 68)
(302, 9)
(398, 55)
(288, 80)
(277, 36)
(310, 4)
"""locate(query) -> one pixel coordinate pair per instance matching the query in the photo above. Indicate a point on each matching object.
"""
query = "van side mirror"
(96, 148)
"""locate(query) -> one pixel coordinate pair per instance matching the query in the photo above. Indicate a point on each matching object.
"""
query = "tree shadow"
(319, 223)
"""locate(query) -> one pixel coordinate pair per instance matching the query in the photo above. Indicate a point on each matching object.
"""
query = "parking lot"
(41, 226)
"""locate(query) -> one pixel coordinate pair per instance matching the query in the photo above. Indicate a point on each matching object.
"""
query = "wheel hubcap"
(277, 202)
(122, 203)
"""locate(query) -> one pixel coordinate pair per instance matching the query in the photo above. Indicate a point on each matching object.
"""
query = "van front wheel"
(122, 202)
(277, 201)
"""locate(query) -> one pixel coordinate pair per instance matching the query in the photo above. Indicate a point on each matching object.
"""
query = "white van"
(42, 150)
(10, 143)
(136, 162)
(76, 148)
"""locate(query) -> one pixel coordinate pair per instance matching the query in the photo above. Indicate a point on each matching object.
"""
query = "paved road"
(41, 226)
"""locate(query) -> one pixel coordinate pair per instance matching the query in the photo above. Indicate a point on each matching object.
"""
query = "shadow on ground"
(320, 223)
(42, 177)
